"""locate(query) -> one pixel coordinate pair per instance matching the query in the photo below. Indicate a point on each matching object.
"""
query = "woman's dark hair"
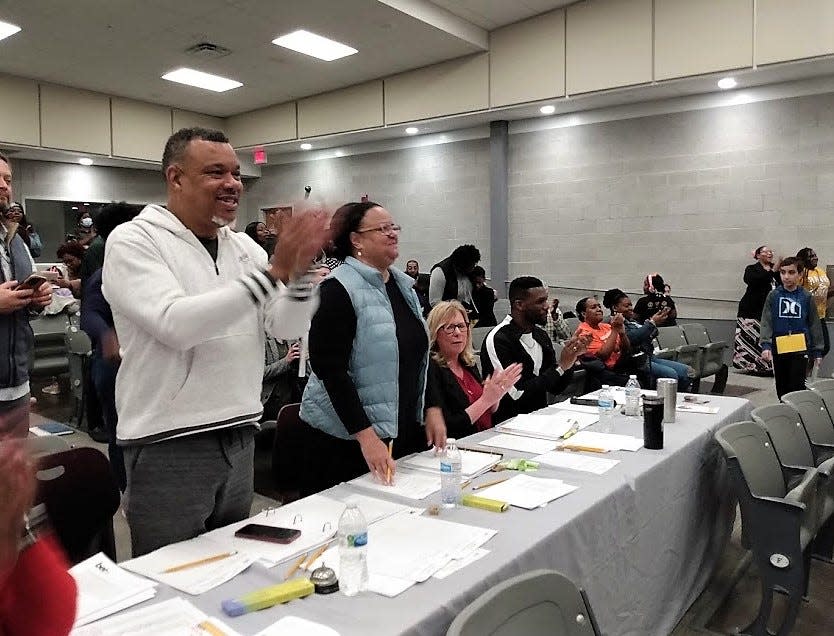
(580, 307)
(113, 215)
(793, 260)
(758, 251)
(612, 297)
(23, 226)
(477, 272)
(252, 230)
(465, 257)
(73, 248)
(345, 220)
(804, 255)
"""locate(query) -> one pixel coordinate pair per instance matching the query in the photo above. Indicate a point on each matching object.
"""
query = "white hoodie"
(191, 331)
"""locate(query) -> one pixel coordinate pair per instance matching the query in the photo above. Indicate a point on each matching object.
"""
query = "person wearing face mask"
(85, 232)
(191, 301)
(760, 277)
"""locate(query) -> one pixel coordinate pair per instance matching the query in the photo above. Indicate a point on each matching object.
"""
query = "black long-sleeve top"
(332, 332)
(96, 316)
(759, 283)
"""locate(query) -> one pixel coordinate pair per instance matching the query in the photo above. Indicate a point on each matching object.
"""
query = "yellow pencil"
(587, 449)
(390, 455)
(295, 566)
(316, 555)
(211, 629)
(489, 483)
(194, 564)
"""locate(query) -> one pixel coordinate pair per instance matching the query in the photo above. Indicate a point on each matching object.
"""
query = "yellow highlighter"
(493, 505)
(268, 596)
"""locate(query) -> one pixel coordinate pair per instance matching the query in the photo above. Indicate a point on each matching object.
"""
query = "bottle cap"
(632, 377)
(450, 440)
(324, 579)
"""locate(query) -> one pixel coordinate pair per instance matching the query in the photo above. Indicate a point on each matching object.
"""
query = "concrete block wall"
(688, 194)
(439, 194)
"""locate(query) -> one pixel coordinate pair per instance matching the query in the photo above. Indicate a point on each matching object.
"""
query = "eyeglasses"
(463, 327)
(387, 228)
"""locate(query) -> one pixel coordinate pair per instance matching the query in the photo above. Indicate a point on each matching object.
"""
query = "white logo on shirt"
(789, 308)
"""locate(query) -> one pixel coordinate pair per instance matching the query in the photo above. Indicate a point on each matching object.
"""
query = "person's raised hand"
(497, 385)
(618, 323)
(302, 237)
(572, 349)
(294, 352)
(11, 299)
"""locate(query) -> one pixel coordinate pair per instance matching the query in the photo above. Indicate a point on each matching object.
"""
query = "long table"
(641, 539)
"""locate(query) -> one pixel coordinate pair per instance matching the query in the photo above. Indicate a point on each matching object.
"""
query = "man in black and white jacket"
(520, 338)
(191, 301)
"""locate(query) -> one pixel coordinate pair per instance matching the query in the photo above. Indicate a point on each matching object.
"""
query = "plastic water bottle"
(353, 550)
(632, 393)
(606, 408)
(450, 475)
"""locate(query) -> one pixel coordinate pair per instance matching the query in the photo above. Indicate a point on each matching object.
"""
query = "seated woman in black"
(654, 301)
(454, 382)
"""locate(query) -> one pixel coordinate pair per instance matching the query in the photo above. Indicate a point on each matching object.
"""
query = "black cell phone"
(268, 533)
(34, 281)
(587, 401)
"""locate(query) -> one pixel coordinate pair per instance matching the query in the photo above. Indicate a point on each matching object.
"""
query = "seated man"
(608, 344)
(520, 338)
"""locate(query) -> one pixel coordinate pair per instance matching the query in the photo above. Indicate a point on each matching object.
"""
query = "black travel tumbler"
(653, 422)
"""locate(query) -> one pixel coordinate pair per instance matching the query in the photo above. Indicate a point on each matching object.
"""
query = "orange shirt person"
(608, 341)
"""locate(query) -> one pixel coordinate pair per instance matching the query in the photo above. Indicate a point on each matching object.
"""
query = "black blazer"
(445, 392)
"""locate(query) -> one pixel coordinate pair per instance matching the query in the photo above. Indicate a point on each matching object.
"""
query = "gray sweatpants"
(182, 487)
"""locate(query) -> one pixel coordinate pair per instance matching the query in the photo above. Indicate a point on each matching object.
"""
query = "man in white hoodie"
(191, 301)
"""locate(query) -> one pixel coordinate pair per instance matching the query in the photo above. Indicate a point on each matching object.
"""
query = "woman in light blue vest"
(369, 354)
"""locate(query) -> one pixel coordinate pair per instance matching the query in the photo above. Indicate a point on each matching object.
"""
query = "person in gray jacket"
(17, 306)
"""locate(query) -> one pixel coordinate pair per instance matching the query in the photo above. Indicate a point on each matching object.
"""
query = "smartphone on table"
(268, 533)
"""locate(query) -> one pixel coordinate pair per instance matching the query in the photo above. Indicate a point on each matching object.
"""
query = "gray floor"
(730, 600)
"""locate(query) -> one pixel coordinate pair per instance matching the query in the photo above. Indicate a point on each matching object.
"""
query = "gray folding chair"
(778, 524)
(712, 354)
(538, 603)
(79, 349)
(673, 338)
(479, 334)
(790, 441)
(816, 419)
(573, 323)
(825, 389)
(501, 309)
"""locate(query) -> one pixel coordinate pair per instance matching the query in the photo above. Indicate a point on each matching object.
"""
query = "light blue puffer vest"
(374, 361)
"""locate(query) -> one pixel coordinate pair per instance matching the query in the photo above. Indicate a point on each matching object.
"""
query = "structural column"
(499, 232)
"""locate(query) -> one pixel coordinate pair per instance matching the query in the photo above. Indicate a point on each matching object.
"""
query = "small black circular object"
(324, 579)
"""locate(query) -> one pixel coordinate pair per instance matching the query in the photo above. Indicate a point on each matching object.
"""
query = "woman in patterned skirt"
(761, 277)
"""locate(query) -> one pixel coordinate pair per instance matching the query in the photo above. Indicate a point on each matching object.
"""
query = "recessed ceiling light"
(85, 161)
(727, 82)
(306, 146)
(201, 80)
(547, 110)
(411, 130)
(314, 45)
(340, 153)
(7, 29)
(75, 207)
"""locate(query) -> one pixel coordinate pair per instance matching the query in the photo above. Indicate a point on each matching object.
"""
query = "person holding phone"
(641, 336)
(17, 307)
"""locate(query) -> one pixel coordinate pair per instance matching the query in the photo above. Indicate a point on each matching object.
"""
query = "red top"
(38, 597)
(474, 390)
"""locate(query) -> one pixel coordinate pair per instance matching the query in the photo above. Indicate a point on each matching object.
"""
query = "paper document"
(104, 589)
(316, 516)
(473, 463)
(552, 425)
(458, 564)
(519, 443)
(389, 586)
(175, 617)
(412, 484)
(295, 626)
(527, 492)
(607, 441)
(576, 461)
(197, 578)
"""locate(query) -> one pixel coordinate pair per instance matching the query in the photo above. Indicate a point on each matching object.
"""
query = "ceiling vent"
(207, 51)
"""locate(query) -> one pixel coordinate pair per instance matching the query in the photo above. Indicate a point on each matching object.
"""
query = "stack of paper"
(104, 589)
(473, 463)
(575, 461)
(527, 492)
(175, 617)
(606, 441)
(47, 428)
(406, 550)
(295, 626)
(412, 484)
(317, 517)
(519, 443)
(552, 425)
(194, 566)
